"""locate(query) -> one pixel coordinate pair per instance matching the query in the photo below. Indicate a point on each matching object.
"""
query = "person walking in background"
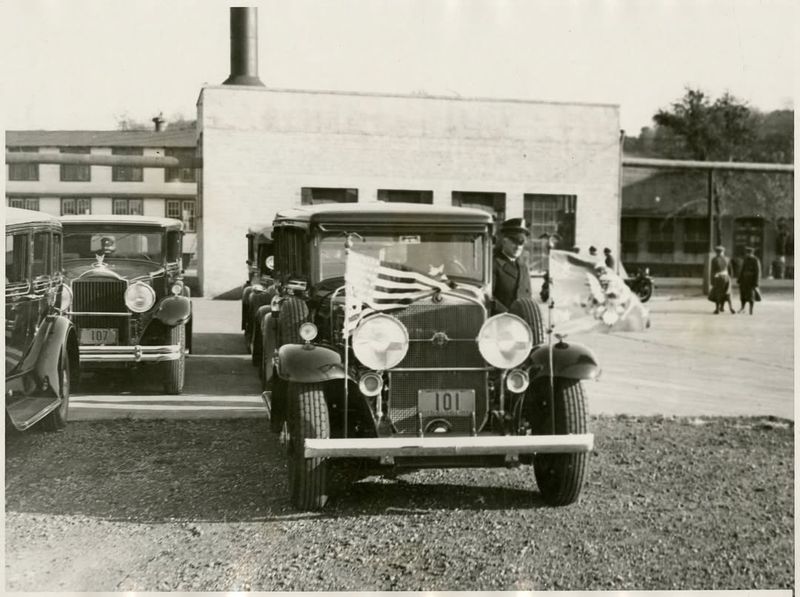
(511, 278)
(593, 252)
(611, 263)
(720, 292)
(749, 277)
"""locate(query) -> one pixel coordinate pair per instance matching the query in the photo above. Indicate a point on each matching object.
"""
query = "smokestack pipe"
(244, 47)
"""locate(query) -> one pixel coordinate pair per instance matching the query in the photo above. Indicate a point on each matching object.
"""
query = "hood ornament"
(440, 339)
(100, 260)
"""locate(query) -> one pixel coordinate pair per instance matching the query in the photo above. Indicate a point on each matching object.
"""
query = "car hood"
(126, 269)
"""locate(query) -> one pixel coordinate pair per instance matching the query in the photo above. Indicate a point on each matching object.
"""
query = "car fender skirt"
(482, 445)
(48, 346)
(174, 310)
(570, 361)
(308, 363)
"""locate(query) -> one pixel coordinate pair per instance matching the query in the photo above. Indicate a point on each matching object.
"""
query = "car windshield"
(458, 256)
(114, 244)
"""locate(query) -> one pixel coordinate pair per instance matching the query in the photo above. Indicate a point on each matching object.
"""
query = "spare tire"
(531, 313)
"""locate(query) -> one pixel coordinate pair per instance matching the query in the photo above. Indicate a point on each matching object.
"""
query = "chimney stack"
(158, 121)
(244, 47)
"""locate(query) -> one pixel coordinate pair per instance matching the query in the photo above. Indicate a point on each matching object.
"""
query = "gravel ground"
(154, 505)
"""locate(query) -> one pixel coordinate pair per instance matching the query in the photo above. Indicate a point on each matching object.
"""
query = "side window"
(174, 245)
(16, 258)
(41, 254)
(57, 249)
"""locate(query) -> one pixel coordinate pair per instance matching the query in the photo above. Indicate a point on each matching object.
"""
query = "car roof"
(123, 220)
(383, 212)
(15, 215)
(264, 230)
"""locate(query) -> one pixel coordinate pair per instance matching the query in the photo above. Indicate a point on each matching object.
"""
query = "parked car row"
(377, 339)
(89, 292)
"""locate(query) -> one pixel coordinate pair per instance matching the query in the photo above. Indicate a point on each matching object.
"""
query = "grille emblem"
(440, 339)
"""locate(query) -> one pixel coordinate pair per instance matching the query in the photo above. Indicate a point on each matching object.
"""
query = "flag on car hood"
(373, 285)
(589, 297)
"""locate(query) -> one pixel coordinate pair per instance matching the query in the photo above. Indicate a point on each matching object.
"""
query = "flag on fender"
(589, 297)
(372, 285)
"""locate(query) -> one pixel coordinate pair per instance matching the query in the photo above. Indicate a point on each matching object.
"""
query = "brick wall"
(261, 146)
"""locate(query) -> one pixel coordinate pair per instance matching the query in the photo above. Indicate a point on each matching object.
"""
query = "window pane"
(179, 174)
(24, 203)
(76, 172)
(127, 173)
(16, 257)
(41, 254)
(314, 196)
(548, 215)
(128, 207)
(23, 171)
(405, 196)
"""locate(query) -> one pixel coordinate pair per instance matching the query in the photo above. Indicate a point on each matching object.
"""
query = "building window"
(629, 238)
(405, 196)
(24, 202)
(127, 207)
(695, 235)
(492, 203)
(23, 171)
(179, 174)
(76, 206)
(661, 236)
(548, 215)
(126, 173)
(315, 196)
(76, 172)
(183, 210)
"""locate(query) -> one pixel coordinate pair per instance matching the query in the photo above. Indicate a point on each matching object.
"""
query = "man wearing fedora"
(511, 279)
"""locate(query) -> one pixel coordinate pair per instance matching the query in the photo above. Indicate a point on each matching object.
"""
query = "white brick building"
(556, 164)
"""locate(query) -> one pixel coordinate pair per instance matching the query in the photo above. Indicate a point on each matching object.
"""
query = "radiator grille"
(101, 296)
(459, 319)
(403, 387)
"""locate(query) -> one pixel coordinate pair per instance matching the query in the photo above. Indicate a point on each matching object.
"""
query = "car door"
(21, 304)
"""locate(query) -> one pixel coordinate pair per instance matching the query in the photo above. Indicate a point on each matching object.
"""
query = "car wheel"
(175, 370)
(308, 418)
(293, 313)
(531, 314)
(58, 418)
(559, 477)
(646, 292)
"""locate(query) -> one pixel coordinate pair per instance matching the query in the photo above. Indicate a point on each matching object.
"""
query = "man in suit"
(511, 280)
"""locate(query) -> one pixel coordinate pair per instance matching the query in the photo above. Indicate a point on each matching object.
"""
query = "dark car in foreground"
(129, 302)
(41, 344)
(384, 344)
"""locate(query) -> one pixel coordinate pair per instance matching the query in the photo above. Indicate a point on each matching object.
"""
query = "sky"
(84, 64)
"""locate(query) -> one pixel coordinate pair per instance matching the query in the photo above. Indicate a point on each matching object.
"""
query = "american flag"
(373, 285)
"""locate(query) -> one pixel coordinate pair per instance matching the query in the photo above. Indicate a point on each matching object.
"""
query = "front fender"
(268, 338)
(570, 361)
(307, 363)
(174, 310)
(49, 344)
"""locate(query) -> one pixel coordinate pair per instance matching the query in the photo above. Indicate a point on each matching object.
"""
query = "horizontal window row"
(83, 172)
(180, 209)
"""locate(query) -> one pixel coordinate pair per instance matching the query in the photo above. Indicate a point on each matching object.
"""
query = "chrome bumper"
(130, 354)
(447, 446)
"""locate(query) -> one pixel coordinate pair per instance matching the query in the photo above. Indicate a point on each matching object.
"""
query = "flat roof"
(381, 212)
(170, 138)
(122, 220)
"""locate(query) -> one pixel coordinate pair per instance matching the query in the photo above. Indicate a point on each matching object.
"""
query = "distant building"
(664, 223)
(61, 189)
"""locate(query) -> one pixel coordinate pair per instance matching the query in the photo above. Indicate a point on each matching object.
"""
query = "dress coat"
(720, 280)
(749, 277)
(511, 280)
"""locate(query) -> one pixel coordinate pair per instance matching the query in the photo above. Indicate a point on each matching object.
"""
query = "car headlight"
(505, 341)
(66, 298)
(308, 331)
(139, 297)
(380, 342)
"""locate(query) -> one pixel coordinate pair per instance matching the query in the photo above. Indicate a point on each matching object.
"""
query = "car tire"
(57, 419)
(531, 313)
(560, 477)
(175, 371)
(293, 313)
(308, 418)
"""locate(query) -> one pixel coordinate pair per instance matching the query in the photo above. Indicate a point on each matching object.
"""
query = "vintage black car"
(41, 344)
(129, 302)
(257, 289)
(440, 376)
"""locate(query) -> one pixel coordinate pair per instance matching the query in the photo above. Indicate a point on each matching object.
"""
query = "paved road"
(688, 363)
